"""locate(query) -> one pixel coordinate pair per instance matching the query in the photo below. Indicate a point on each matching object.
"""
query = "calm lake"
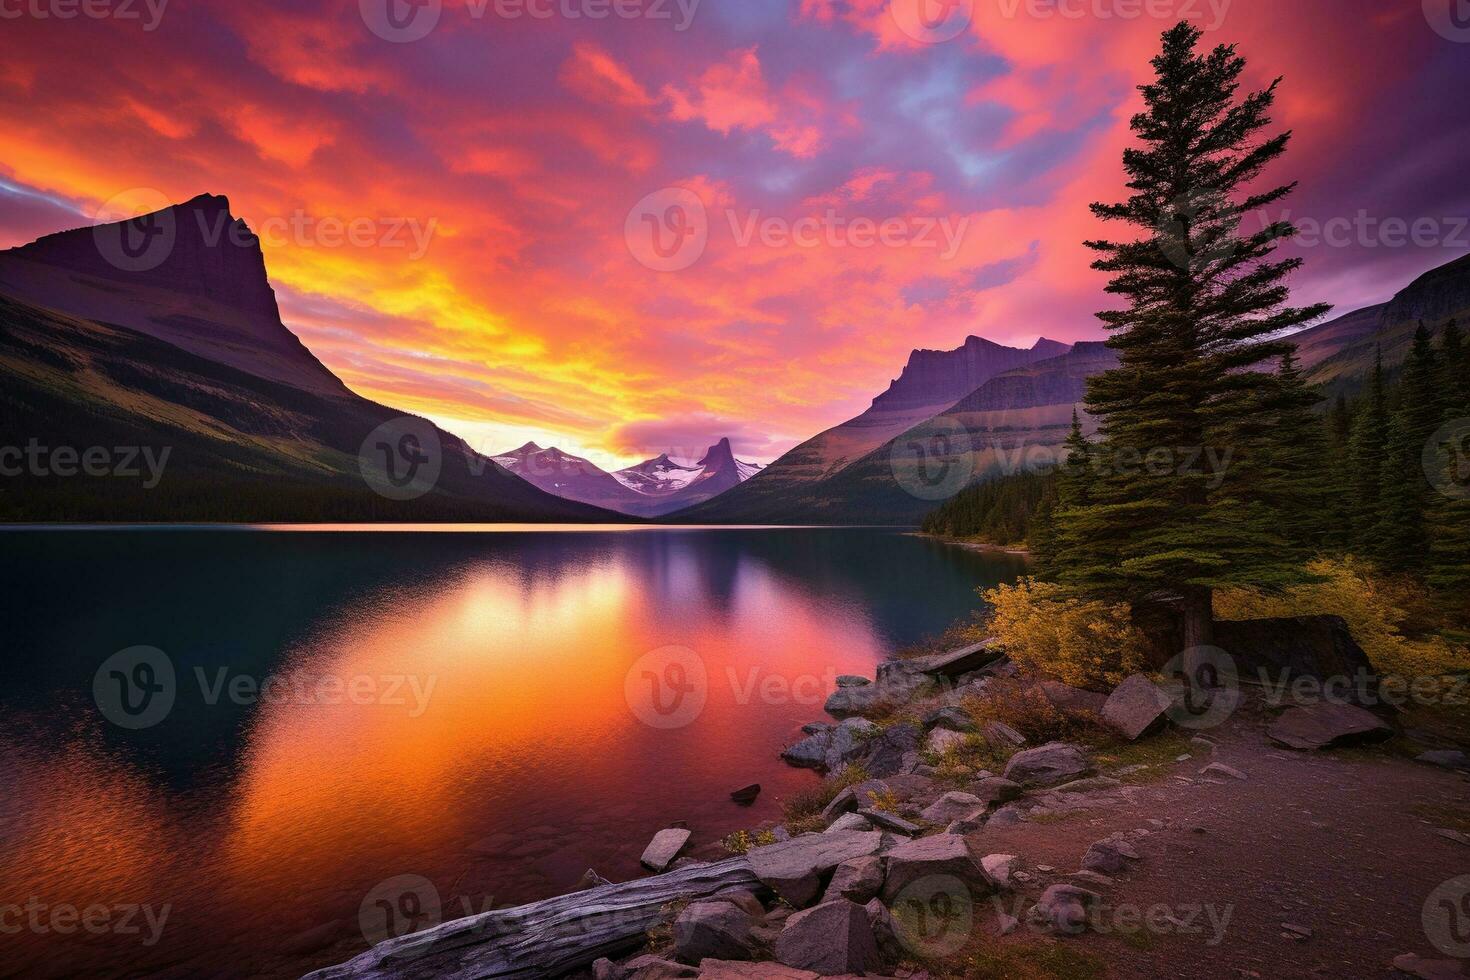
(253, 752)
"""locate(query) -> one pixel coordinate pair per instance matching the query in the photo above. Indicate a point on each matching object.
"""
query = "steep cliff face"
(933, 376)
(192, 275)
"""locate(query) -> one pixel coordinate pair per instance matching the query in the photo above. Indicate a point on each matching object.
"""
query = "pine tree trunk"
(1199, 618)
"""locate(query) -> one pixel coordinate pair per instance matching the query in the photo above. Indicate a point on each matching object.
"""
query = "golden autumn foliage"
(1085, 643)
(1373, 607)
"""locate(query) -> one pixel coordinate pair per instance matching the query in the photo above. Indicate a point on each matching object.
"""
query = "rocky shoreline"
(889, 876)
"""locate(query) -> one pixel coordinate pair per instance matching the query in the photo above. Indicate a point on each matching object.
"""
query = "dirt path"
(1341, 843)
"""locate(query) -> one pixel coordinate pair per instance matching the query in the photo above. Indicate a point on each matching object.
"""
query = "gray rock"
(845, 801)
(1324, 725)
(713, 930)
(664, 847)
(857, 880)
(833, 938)
(1073, 699)
(852, 680)
(951, 717)
(849, 741)
(794, 870)
(892, 751)
(810, 752)
(1136, 707)
(999, 733)
(942, 854)
(1091, 879)
(849, 821)
(897, 682)
(1092, 784)
(606, 969)
(1448, 758)
(816, 728)
(1048, 765)
(1109, 857)
(994, 789)
(649, 967)
(1000, 867)
(1063, 908)
(885, 931)
(890, 821)
(950, 807)
(970, 823)
(942, 740)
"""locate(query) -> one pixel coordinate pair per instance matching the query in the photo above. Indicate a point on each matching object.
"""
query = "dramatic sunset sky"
(522, 144)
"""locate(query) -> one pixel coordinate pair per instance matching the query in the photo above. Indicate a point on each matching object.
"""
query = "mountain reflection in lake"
(489, 713)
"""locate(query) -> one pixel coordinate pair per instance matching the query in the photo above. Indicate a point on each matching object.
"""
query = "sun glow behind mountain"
(492, 166)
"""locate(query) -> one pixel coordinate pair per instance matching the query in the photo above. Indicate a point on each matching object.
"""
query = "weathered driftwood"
(547, 938)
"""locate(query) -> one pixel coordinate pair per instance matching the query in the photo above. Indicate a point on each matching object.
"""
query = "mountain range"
(164, 332)
(652, 488)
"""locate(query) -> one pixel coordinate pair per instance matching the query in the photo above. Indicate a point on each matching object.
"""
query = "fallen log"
(546, 938)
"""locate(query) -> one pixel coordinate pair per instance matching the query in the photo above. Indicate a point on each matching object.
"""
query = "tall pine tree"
(1449, 557)
(1400, 541)
(1203, 300)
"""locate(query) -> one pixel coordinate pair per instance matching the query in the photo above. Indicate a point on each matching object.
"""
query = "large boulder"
(833, 938)
(1325, 725)
(664, 847)
(1136, 707)
(810, 752)
(942, 740)
(1273, 650)
(942, 854)
(897, 682)
(718, 930)
(893, 750)
(857, 880)
(952, 806)
(795, 869)
(849, 741)
(649, 967)
(995, 789)
(1048, 765)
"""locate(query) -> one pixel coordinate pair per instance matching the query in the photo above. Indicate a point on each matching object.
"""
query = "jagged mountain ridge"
(651, 488)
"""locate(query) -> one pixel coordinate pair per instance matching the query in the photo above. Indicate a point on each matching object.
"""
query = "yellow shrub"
(1350, 589)
(1082, 643)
